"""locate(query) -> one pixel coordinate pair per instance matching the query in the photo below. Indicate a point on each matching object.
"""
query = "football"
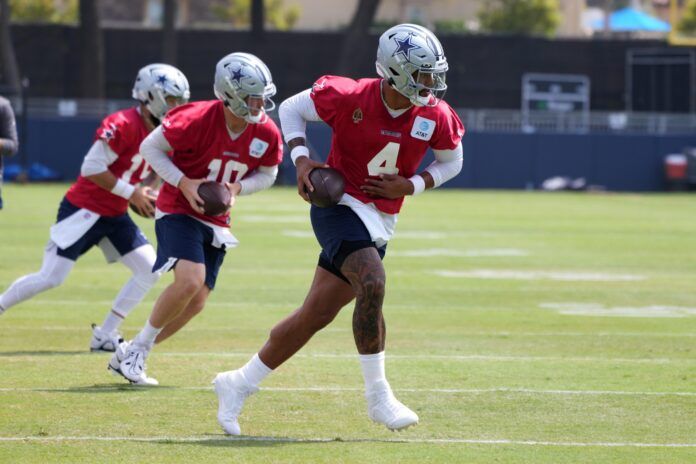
(328, 187)
(216, 198)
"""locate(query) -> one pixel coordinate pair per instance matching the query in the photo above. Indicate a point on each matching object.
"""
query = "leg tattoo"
(365, 272)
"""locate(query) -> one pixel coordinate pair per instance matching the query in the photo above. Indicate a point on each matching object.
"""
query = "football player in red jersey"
(381, 131)
(229, 140)
(95, 208)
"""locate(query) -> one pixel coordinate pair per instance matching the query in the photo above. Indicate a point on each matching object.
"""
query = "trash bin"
(676, 165)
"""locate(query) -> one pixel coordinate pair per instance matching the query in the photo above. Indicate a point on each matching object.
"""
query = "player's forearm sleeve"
(154, 149)
(98, 159)
(447, 164)
(8, 131)
(294, 114)
(262, 179)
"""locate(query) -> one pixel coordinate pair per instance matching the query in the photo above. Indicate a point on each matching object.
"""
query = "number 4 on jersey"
(384, 162)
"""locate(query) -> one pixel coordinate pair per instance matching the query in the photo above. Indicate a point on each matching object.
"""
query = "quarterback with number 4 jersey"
(230, 140)
(381, 131)
(95, 208)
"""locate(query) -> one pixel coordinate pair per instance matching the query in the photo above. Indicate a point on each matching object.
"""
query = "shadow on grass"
(227, 441)
(108, 388)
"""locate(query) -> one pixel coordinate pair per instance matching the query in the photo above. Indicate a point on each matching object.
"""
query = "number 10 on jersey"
(231, 166)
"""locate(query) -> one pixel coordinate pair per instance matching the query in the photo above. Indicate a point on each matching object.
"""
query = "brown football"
(216, 198)
(328, 187)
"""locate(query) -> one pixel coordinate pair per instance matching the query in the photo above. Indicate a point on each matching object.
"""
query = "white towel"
(380, 225)
(69, 230)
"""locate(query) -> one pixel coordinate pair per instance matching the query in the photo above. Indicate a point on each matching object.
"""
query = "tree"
(687, 24)
(91, 50)
(257, 18)
(7, 54)
(169, 44)
(275, 14)
(354, 42)
(536, 17)
(48, 11)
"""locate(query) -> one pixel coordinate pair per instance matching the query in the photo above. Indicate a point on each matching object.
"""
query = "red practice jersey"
(367, 141)
(123, 131)
(203, 148)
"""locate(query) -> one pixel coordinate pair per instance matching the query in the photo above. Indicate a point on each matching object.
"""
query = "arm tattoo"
(365, 272)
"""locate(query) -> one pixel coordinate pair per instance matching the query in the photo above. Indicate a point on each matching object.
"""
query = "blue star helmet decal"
(405, 46)
(162, 79)
(238, 75)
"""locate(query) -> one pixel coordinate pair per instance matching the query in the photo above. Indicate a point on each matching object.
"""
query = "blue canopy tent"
(631, 19)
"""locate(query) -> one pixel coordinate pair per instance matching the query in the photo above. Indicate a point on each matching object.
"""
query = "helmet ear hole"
(150, 96)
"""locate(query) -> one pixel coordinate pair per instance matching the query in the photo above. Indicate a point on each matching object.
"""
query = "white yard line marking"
(393, 357)
(539, 275)
(437, 252)
(471, 357)
(491, 333)
(277, 218)
(298, 233)
(599, 310)
(219, 438)
(525, 391)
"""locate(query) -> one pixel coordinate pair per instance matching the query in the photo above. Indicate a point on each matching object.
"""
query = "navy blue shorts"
(121, 231)
(181, 237)
(340, 232)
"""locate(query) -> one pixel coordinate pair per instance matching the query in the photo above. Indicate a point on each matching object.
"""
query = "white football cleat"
(231, 389)
(104, 341)
(384, 408)
(128, 361)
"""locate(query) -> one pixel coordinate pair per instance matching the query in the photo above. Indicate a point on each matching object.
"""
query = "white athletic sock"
(111, 322)
(146, 337)
(373, 369)
(255, 371)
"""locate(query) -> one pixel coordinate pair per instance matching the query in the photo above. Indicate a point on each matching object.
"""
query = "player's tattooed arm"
(365, 272)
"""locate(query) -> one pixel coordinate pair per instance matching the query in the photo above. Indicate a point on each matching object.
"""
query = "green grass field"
(522, 327)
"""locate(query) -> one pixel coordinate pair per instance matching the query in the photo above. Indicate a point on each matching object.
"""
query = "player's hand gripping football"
(234, 188)
(304, 166)
(143, 201)
(388, 186)
(189, 187)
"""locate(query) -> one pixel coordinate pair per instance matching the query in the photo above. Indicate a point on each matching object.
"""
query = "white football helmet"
(239, 76)
(155, 82)
(412, 61)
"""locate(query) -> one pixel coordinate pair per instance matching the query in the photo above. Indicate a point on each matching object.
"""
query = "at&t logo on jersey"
(257, 148)
(423, 128)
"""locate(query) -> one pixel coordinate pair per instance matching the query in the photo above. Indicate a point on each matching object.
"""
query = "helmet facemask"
(244, 84)
(427, 88)
(241, 104)
(160, 87)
